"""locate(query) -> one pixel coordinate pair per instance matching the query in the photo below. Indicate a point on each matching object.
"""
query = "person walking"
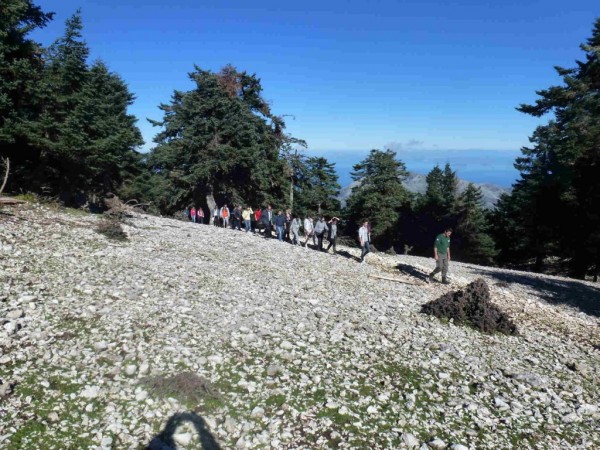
(215, 215)
(294, 230)
(267, 220)
(224, 214)
(200, 215)
(309, 230)
(258, 224)
(364, 238)
(193, 214)
(237, 218)
(186, 213)
(247, 216)
(332, 233)
(320, 229)
(280, 225)
(441, 253)
(288, 223)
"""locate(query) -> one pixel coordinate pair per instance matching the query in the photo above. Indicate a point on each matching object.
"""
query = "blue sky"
(427, 78)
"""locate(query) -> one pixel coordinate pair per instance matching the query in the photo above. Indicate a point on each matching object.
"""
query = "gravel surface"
(189, 336)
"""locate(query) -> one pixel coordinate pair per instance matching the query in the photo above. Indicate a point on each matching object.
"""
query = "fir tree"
(472, 242)
(441, 192)
(556, 196)
(449, 188)
(318, 188)
(380, 197)
(433, 211)
(434, 199)
(20, 75)
(219, 141)
(101, 135)
(66, 71)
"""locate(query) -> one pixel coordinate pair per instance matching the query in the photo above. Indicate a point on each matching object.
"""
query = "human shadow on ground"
(412, 271)
(345, 254)
(165, 439)
(568, 292)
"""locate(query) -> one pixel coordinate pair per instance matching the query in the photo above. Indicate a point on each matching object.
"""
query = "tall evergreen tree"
(20, 74)
(220, 140)
(433, 211)
(449, 188)
(434, 198)
(380, 196)
(440, 196)
(100, 135)
(66, 72)
(560, 172)
(472, 242)
(294, 165)
(68, 128)
(507, 231)
(318, 188)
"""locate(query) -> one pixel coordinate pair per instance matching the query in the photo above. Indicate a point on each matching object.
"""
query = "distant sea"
(478, 166)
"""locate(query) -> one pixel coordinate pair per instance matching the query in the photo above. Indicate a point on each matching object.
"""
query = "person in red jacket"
(193, 214)
(257, 214)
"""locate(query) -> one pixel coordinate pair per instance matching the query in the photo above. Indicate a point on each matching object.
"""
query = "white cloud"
(410, 144)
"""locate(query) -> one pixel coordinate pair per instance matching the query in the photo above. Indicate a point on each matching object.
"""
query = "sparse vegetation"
(110, 226)
(185, 386)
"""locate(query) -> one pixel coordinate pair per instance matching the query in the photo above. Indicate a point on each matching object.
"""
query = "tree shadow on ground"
(568, 292)
(165, 439)
(412, 271)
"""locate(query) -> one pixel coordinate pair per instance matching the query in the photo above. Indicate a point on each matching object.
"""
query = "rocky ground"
(186, 336)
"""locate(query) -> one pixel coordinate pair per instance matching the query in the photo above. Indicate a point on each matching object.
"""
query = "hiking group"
(264, 222)
(287, 228)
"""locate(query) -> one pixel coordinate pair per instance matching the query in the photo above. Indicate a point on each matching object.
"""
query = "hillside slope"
(188, 332)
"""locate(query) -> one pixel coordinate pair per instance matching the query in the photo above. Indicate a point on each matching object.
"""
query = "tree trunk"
(539, 263)
(211, 203)
(292, 195)
(7, 164)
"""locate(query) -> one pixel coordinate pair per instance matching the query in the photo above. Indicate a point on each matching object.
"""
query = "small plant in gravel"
(110, 226)
(472, 306)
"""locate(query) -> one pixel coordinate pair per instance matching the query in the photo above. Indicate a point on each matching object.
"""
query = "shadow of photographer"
(165, 440)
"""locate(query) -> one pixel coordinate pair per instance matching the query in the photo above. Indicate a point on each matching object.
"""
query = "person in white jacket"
(294, 230)
(309, 230)
(364, 238)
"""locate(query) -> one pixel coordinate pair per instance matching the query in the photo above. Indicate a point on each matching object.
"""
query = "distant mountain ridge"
(417, 184)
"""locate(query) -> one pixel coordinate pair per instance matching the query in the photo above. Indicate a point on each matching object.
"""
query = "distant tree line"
(65, 128)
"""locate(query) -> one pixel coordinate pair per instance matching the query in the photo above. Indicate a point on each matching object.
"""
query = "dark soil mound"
(472, 307)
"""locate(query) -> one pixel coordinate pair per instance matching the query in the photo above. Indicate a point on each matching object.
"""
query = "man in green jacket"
(441, 253)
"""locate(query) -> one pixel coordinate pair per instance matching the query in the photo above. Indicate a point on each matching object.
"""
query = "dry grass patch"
(186, 387)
